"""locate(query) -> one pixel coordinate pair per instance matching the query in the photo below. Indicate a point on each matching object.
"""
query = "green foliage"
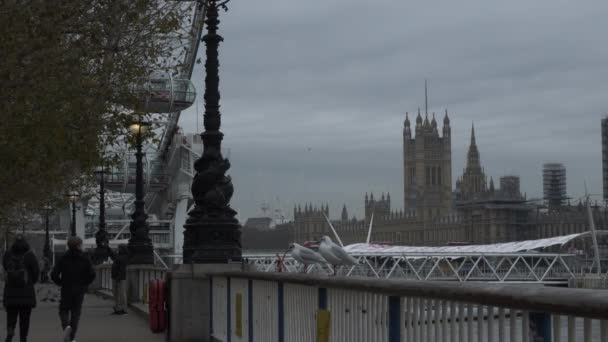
(67, 75)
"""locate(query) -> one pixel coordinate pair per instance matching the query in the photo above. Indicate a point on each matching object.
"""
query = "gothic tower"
(473, 182)
(427, 167)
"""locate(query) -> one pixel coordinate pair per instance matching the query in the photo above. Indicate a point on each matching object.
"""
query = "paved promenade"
(96, 325)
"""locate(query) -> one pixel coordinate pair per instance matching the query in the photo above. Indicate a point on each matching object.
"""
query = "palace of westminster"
(476, 212)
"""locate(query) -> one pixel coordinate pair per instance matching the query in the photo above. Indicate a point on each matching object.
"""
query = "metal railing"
(256, 306)
(138, 280)
(589, 281)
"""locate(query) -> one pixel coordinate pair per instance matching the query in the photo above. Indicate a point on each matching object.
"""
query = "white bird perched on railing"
(305, 255)
(335, 254)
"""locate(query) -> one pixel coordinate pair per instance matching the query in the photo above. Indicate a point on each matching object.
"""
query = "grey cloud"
(339, 76)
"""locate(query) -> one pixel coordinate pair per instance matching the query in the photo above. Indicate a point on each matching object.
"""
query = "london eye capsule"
(162, 93)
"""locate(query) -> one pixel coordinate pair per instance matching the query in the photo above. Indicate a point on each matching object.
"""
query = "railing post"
(250, 308)
(394, 319)
(322, 298)
(540, 326)
(323, 318)
(229, 311)
(281, 314)
(210, 307)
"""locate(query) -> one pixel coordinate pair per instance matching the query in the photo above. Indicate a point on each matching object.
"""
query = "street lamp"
(46, 252)
(140, 246)
(212, 233)
(47, 238)
(73, 196)
(101, 237)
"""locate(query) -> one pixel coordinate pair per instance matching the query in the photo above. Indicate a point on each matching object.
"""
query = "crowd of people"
(73, 273)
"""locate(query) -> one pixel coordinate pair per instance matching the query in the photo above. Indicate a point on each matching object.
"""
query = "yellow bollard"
(238, 303)
(323, 325)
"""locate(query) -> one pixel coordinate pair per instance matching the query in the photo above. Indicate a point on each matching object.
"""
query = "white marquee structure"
(514, 262)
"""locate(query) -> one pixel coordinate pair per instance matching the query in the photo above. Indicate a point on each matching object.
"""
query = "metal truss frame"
(488, 267)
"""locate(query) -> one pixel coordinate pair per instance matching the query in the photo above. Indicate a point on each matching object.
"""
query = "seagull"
(305, 255)
(335, 254)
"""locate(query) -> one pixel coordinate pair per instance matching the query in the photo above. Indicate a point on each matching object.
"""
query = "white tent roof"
(507, 247)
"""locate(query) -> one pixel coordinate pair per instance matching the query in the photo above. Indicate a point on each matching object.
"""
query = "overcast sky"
(314, 93)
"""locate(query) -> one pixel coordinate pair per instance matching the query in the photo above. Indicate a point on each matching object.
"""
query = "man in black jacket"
(22, 272)
(119, 278)
(74, 273)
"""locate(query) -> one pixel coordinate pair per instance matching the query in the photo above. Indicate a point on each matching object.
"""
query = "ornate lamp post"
(46, 252)
(101, 237)
(212, 234)
(73, 197)
(140, 245)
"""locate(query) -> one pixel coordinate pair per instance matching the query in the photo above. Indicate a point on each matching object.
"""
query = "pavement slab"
(96, 325)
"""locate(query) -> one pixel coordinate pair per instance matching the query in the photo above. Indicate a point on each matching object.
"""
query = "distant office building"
(605, 156)
(554, 185)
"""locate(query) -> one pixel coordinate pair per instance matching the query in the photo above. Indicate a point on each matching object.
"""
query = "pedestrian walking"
(73, 273)
(22, 272)
(119, 278)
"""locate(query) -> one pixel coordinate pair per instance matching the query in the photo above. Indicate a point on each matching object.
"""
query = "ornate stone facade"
(481, 213)
(427, 167)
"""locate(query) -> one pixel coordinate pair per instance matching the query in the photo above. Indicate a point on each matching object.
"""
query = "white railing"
(589, 281)
(291, 308)
(138, 280)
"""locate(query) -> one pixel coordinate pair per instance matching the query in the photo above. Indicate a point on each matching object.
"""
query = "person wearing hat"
(22, 272)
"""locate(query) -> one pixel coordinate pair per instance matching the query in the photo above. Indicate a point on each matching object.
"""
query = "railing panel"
(239, 318)
(301, 306)
(362, 311)
(265, 311)
(357, 316)
(220, 308)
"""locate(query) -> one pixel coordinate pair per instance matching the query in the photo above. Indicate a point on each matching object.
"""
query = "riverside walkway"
(96, 324)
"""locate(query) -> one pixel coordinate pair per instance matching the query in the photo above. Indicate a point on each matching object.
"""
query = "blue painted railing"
(293, 308)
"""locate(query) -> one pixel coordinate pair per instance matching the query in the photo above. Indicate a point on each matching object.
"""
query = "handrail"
(427, 254)
(574, 302)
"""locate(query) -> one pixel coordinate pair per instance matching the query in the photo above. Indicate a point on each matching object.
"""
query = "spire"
(372, 197)
(434, 122)
(406, 123)
(426, 119)
(473, 134)
(492, 184)
(418, 118)
(344, 213)
(366, 198)
(446, 119)
(473, 162)
(426, 98)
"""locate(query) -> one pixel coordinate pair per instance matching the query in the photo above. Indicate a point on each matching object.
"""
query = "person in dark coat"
(22, 272)
(119, 278)
(74, 273)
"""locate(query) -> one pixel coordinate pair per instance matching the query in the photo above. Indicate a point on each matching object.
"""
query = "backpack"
(16, 272)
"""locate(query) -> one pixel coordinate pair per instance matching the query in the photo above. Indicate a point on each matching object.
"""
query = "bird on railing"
(305, 256)
(334, 254)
